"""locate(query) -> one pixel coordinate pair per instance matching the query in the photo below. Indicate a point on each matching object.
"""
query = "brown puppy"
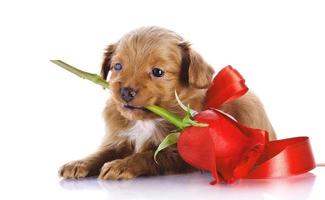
(147, 65)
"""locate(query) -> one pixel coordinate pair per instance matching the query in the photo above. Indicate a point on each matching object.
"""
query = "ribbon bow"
(231, 151)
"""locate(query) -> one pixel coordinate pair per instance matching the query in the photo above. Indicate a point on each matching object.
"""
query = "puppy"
(146, 66)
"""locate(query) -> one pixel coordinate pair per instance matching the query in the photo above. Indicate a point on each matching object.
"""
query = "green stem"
(167, 115)
(82, 74)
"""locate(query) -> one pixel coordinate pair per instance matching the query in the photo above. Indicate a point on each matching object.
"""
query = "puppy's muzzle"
(128, 94)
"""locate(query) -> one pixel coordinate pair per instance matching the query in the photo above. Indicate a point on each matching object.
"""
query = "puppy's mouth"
(134, 108)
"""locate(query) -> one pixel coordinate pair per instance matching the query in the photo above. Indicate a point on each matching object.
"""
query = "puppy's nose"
(128, 94)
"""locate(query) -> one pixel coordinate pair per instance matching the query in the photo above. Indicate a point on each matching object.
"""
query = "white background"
(49, 117)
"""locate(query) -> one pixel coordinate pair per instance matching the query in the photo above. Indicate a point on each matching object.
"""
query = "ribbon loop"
(227, 86)
(287, 157)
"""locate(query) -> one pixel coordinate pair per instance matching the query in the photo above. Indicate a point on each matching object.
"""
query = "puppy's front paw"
(117, 170)
(74, 169)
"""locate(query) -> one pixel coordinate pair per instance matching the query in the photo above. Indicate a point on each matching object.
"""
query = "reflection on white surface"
(196, 186)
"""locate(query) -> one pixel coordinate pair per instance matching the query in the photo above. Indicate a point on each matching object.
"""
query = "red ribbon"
(232, 151)
(227, 85)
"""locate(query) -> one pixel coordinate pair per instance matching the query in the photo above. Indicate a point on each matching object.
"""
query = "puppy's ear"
(195, 71)
(106, 65)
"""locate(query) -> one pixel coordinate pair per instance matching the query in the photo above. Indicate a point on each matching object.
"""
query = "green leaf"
(186, 109)
(82, 74)
(198, 124)
(188, 121)
(168, 141)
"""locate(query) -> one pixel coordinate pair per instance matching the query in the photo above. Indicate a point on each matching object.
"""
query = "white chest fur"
(140, 132)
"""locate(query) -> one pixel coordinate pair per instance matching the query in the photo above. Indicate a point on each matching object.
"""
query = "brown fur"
(120, 156)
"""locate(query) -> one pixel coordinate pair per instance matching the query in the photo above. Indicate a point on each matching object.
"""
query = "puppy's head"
(147, 65)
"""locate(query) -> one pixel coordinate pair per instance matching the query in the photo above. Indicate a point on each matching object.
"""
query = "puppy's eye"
(157, 72)
(118, 66)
